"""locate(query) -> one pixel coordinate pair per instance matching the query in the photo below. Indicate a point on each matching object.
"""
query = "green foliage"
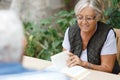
(65, 19)
(45, 39)
(112, 14)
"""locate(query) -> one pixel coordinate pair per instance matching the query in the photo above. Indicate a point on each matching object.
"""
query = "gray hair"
(11, 36)
(97, 5)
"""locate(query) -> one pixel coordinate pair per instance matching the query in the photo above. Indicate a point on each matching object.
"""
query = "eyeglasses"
(87, 18)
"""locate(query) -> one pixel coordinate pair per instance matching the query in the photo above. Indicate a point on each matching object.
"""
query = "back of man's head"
(11, 37)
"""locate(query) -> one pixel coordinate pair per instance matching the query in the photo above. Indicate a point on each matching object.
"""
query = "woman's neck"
(87, 35)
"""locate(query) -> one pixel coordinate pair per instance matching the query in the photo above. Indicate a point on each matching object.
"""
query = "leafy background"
(45, 38)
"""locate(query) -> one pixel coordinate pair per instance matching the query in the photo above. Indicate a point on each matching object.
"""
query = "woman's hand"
(73, 60)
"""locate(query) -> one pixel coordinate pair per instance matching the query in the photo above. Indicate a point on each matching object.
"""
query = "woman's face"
(87, 20)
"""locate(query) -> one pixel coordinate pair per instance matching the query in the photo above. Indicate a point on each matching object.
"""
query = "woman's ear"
(98, 17)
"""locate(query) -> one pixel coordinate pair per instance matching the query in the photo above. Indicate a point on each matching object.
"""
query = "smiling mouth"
(85, 26)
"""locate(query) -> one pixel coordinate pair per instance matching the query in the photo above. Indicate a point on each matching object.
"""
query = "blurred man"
(11, 49)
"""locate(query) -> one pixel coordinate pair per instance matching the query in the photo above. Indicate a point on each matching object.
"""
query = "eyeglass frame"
(86, 19)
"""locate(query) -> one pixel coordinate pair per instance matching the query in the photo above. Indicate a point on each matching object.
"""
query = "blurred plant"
(112, 13)
(69, 4)
(45, 39)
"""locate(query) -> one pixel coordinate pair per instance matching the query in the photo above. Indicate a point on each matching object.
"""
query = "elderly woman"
(92, 44)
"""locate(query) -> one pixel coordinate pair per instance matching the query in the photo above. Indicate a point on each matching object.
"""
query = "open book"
(59, 61)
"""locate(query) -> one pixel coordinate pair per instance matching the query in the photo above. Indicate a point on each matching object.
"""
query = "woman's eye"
(89, 18)
(80, 18)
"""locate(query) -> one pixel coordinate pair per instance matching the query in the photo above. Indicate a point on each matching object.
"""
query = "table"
(30, 62)
(35, 63)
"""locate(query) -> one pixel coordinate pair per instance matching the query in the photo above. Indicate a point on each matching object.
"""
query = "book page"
(74, 71)
(59, 60)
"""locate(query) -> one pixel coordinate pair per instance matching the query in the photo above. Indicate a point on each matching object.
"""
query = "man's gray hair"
(11, 36)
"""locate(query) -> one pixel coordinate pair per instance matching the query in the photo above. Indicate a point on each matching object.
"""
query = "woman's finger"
(70, 54)
(71, 62)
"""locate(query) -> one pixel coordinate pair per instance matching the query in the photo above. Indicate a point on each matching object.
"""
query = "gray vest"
(94, 45)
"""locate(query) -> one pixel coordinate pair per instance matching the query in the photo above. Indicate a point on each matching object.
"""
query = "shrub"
(45, 39)
(112, 13)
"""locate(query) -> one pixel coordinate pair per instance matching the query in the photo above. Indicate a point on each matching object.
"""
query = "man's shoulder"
(12, 68)
(36, 75)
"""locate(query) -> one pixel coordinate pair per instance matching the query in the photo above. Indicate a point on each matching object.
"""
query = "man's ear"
(24, 43)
